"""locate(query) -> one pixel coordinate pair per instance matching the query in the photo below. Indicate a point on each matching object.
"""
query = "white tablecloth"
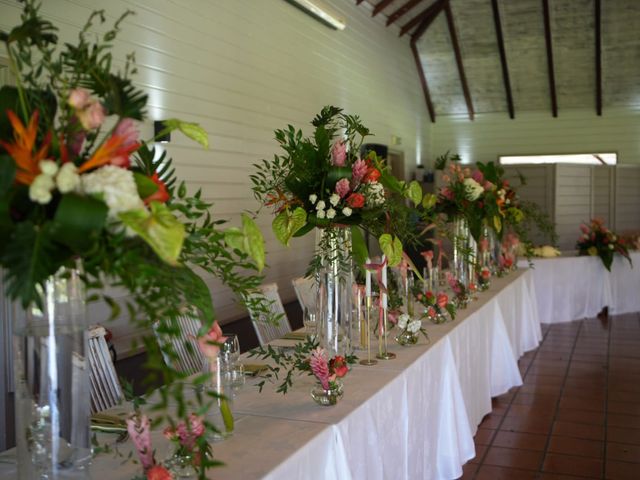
(572, 288)
(408, 418)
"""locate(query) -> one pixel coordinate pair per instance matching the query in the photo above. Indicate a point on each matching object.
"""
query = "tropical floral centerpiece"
(436, 306)
(327, 373)
(408, 330)
(79, 184)
(597, 240)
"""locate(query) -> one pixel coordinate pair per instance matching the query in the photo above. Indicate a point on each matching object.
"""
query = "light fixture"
(321, 12)
(158, 128)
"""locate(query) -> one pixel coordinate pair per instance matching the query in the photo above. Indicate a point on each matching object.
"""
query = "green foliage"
(392, 248)
(287, 223)
(191, 130)
(145, 163)
(78, 222)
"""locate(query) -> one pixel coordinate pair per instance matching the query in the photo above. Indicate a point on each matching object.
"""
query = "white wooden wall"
(242, 68)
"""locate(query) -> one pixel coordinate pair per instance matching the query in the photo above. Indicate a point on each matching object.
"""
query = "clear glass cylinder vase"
(465, 251)
(51, 366)
(335, 290)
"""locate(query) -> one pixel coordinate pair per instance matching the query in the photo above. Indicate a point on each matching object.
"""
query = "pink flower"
(446, 178)
(92, 116)
(209, 343)
(189, 434)
(488, 186)
(477, 176)
(339, 366)
(342, 187)
(442, 300)
(338, 153)
(427, 254)
(485, 273)
(584, 228)
(359, 170)
(355, 200)
(447, 193)
(79, 98)
(128, 132)
(319, 367)
(431, 312)
(159, 473)
(484, 245)
(139, 428)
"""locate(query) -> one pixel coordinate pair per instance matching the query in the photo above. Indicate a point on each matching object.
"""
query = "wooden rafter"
(458, 54)
(406, 8)
(381, 5)
(503, 57)
(423, 82)
(424, 18)
(358, 2)
(598, 24)
(547, 38)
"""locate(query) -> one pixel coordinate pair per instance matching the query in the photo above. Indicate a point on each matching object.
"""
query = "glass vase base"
(368, 362)
(386, 356)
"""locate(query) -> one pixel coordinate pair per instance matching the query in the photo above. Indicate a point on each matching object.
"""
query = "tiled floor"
(577, 416)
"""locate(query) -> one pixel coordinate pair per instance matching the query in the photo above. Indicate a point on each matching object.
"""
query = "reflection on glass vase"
(335, 295)
(465, 251)
(51, 366)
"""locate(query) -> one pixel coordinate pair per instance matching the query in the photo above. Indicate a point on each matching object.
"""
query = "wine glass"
(309, 321)
(230, 351)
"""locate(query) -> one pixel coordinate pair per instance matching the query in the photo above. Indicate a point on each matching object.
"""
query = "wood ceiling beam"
(458, 54)
(598, 24)
(424, 19)
(358, 2)
(406, 8)
(381, 5)
(503, 58)
(423, 82)
(547, 38)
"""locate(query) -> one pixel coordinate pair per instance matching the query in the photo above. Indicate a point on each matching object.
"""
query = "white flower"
(40, 189)
(472, 189)
(610, 246)
(501, 193)
(331, 213)
(614, 238)
(117, 188)
(346, 211)
(334, 199)
(67, 178)
(320, 205)
(375, 194)
(321, 214)
(403, 320)
(48, 167)
(313, 198)
(414, 326)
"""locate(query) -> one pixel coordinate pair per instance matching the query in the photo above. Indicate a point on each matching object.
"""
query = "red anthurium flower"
(161, 195)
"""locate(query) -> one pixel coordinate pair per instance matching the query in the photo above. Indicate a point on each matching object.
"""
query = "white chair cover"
(105, 390)
(189, 359)
(307, 292)
(265, 330)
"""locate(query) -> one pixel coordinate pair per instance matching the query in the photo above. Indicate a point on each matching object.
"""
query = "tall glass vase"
(51, 366)
(464, 251)
(335, 296)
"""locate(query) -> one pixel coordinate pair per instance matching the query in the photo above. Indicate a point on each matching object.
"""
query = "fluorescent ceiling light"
(581, 159)
(320, 11)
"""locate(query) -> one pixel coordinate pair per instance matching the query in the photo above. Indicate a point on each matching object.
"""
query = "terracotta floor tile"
(484, 436)
(491, 421)
(513, 458)
(525, 441)
(480, 451)
(578, 430)
(623, 435)
(580, 416)
(549, 380)
(530, 399)
(620, 420)
(570, 465)
(490, 472)
(576, 446)
(528, 424)
(621, 471)
(588, 402)
(624, 396)
(468, 471)
(539, 410)
(623, 452)
(556, 476)
(595, 393)
(541, 389)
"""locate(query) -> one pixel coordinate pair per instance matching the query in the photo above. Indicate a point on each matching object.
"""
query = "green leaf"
(7, 173)
(360, 251)
(497, 224)
(429, 201)
(78, 221)
(145, 185)
(287, 223)
(248, 240)
(392, 248)
(414, 192)
(192, 130)
(159, 228)
(227, 416)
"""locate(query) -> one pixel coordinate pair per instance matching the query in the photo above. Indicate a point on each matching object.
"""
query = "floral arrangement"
(408, 325)
(461, 291)
(77, 182)
(322, 181)
(598, 240)
(326, 372)
(436, 305)
(484, 278)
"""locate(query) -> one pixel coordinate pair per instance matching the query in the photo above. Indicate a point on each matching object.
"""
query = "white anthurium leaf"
(287, 223)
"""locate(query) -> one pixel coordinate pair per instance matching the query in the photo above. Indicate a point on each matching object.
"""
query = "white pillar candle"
(384, 283)
(368, 280)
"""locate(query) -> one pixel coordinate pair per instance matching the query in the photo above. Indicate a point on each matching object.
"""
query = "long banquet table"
(571, 287)
(411, 417)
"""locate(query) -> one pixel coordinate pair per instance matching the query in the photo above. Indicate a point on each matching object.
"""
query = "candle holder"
(408, 294)
(367, 333)
(383, 352)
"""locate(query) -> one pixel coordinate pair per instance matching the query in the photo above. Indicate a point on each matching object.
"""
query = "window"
(580, 159)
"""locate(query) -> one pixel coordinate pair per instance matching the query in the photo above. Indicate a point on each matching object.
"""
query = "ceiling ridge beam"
(547, 39)
(406, 8)
(503, 58)
(458, 55)
(381, 5)
(424, 19)
(598, 25)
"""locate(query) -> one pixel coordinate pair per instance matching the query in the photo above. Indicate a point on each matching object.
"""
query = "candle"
(384, 282)
(368, 279)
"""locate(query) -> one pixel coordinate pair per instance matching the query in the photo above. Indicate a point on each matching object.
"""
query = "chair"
(265, 330)
(307, 292)
(105, 390)
(188, 360)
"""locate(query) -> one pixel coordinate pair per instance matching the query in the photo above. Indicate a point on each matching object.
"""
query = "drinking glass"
(230, 351)
(310, 322)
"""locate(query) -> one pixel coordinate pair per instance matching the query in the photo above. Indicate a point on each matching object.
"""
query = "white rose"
(346, 211)
(414, 326)
(48, 167)
(67, 178)
(375, 195)
(117, 188)
(40, 189)
(331, 213)
(320, 214)
(334, 199)
(320, 205)
(402, 321)
(313, 198)
(610, 246)
(614, 238)
(473, 189)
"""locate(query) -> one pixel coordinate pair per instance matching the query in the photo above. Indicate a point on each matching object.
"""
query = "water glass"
(230, 352)
(309, 321)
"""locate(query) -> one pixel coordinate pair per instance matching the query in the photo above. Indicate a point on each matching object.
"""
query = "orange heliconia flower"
(22, 149)
(117, 147)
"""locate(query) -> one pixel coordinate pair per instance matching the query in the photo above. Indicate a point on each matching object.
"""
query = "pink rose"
(189, 435)
(446, 178)
(359, 170)
(339, 153)
(92, 116)
(342, 187)
(207, 343)
(79, 98)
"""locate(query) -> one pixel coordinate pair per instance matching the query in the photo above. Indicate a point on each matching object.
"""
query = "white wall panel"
(242, 68)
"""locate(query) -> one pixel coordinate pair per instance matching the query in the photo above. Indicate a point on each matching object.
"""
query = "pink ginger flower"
(79, 98)
(484, 245)
(343, 187)
(319, 367)
(477, 176)
(188, 435)
(92, 116)
(209, 343)
(359, 170)
(339, 153)
(139, 428)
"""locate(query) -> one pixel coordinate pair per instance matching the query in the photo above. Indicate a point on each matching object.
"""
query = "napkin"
(254, 369)
(108, 423)
(294, 336)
